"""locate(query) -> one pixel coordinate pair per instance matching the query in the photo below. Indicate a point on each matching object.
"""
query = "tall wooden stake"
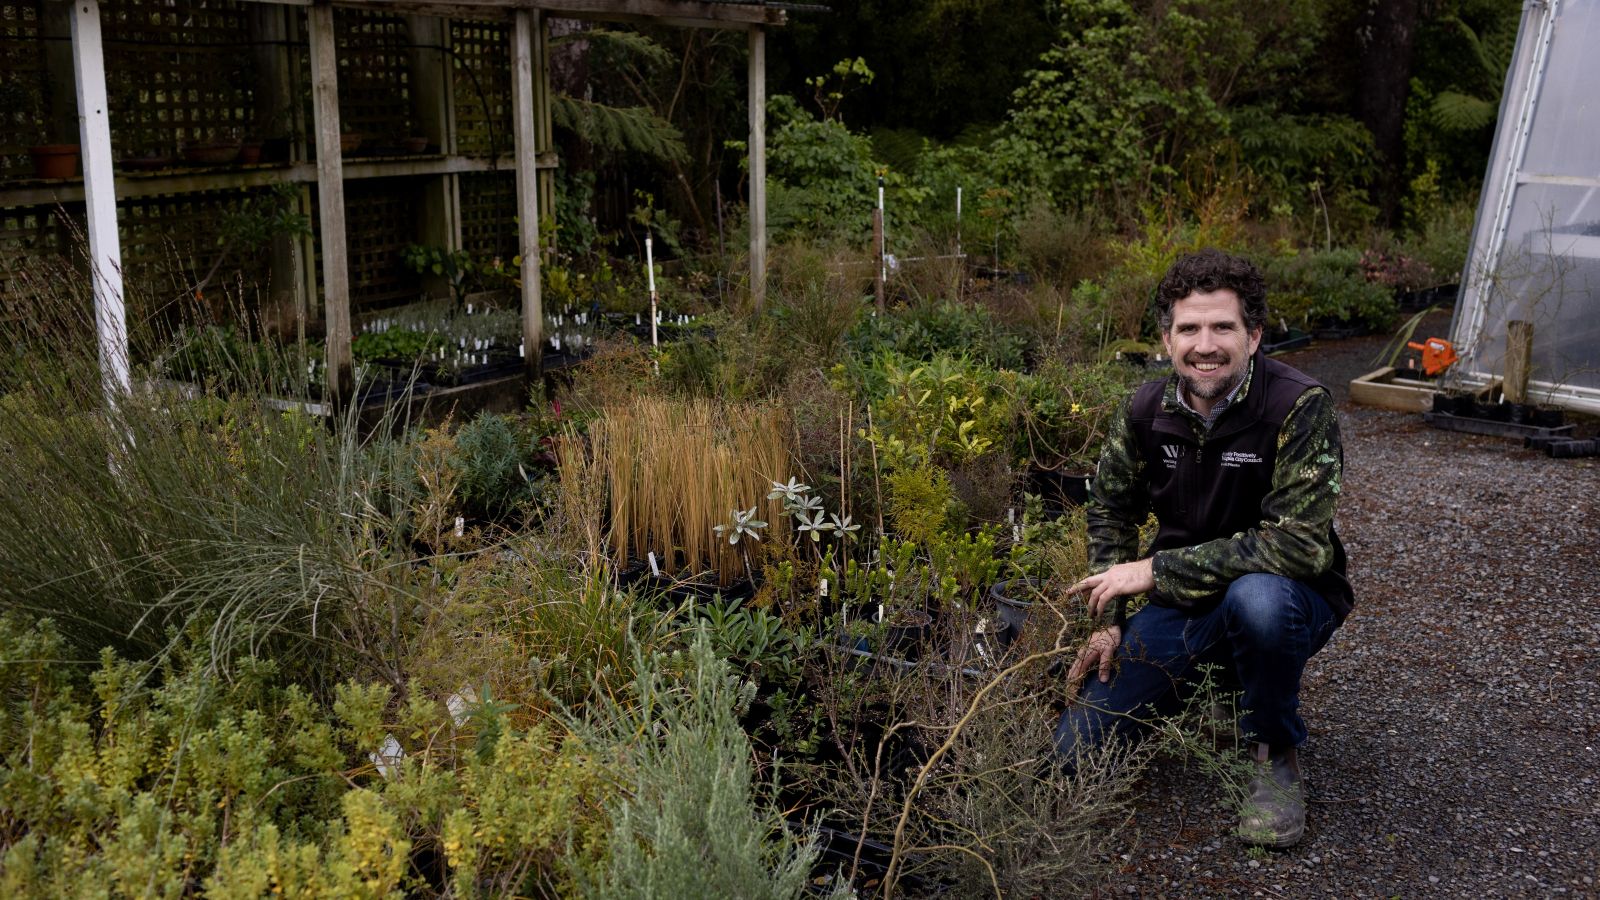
(330, 201)
(524, 115)
(758, 167)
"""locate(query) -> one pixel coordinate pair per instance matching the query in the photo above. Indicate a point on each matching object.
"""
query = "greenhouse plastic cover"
(1535, 251)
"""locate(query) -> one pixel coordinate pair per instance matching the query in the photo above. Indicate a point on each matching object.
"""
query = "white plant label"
(824, 588)
(387, 758)
(461, 526)
(460, 705)
(654, 569)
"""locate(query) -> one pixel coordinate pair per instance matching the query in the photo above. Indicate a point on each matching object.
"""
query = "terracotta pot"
(350, 143)
(55, 160)
(249, 153)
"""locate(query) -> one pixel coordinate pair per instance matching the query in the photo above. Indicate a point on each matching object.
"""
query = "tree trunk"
(1388, 42)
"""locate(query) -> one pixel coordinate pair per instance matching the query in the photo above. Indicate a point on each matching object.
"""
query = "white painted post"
(958, 223)
(330, 200)
(100, 197)
(758, 167)
(523, 113)
(650, 276)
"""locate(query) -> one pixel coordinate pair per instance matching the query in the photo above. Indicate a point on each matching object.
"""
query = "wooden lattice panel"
(374, 74)
(481, 81)
(169, 244)
(31, 241)
(177, 71)
(21, 87)
(489, 214)
(380, 222)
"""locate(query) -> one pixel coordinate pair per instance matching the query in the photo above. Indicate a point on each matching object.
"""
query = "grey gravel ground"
(1455, 718)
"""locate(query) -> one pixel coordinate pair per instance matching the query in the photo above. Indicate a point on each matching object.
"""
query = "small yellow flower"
(1076, 409)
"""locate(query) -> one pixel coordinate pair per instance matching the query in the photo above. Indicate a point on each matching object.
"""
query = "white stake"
(650, 267)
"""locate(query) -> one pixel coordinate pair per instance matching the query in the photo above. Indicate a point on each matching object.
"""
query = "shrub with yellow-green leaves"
(167, 782)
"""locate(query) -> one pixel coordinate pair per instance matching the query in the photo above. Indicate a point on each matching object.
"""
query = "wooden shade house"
(507, 40)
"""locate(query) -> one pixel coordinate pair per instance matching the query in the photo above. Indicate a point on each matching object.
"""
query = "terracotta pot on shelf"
(55, 160)
(350, 142)
(249, 153)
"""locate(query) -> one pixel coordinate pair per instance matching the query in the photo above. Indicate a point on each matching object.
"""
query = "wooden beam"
(330, 201)
(523, 113)
(680, 13)
(183, 181)
(100, 196)
(758, 168)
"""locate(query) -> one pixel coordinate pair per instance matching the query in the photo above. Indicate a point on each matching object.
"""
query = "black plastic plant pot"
(1493, 412)
(1013, 599)
(1058, 487)
(1547, 417)
(1454, 404)
(906, 633)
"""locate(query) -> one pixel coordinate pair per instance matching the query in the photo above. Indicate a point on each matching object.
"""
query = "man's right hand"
(1099, 653)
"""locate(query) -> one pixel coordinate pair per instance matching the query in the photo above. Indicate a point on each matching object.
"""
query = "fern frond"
(618, 128)
(1454, 111)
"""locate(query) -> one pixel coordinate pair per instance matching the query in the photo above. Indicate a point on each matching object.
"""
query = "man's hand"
(1122, 580)
(1099, 653)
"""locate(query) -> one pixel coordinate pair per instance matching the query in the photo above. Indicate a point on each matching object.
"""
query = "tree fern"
(619, 128)
(1455, 111)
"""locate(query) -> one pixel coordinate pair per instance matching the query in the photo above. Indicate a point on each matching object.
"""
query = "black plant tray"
(1339, 331)
(1472, 425)
(1294, 340)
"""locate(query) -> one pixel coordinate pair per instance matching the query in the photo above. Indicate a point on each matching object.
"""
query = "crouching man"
(1238, 457)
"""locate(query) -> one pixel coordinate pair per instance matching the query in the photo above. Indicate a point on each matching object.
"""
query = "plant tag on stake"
(387, 757)
(823, 588)
(654, 569)
(461, 526)
(460, 705)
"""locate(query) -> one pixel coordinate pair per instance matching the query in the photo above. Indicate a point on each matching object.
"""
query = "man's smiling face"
(1209, 345)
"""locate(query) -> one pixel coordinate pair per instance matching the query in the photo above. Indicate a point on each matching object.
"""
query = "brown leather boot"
(1275, 813)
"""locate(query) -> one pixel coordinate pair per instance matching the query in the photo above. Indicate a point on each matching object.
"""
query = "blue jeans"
(1261, 634)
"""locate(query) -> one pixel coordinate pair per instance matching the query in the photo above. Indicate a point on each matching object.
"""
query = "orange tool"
(1438, 354)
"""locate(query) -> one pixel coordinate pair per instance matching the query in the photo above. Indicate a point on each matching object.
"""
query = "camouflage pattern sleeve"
(1294, 537)
(1119, 502)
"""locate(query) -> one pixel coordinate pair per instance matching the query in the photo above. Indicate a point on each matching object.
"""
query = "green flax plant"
(180, 508)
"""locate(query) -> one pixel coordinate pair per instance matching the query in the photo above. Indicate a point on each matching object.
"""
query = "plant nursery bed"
(1387, 388)
(1293, 339)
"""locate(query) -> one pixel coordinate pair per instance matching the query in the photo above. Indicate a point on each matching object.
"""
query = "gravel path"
(1455, 718)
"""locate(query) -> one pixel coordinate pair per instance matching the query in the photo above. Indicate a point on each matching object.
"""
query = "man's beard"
(1216, 391)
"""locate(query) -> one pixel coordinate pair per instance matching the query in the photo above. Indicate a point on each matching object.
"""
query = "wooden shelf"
(181, 179)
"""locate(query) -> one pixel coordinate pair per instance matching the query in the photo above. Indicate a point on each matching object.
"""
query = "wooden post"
(430, 107)
(877, 257)
(100, 197)
(524, 108)
(758, 167)
(1519, 359)
(283, 313)
(330, 200)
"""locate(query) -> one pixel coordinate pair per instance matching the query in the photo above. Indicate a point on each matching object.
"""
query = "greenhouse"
(1536, 245)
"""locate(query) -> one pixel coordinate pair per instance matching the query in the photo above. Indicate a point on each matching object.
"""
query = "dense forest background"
(1325, 118)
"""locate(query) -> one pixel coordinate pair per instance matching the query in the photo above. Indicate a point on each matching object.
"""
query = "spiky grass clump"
(178, 507)
(678, 468)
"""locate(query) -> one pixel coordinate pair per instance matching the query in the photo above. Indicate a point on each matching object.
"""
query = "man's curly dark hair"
(1212, 270)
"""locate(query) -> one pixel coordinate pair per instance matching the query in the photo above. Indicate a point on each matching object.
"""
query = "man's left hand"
(1122, 580)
